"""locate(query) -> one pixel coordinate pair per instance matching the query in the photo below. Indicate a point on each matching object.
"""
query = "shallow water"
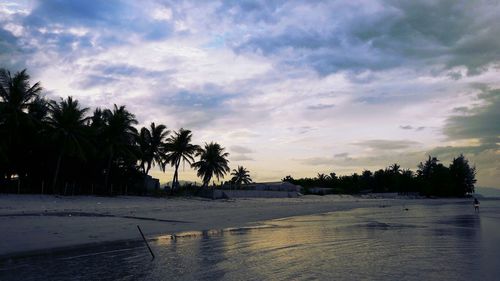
(425, 242)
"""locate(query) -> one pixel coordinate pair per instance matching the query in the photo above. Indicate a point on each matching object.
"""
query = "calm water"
(442, 242)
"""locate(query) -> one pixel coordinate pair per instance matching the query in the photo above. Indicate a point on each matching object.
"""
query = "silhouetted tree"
(119, 136)
(463, 176)
(179, 149)
(16, 97)
(213, 161)
(151, 146)
(67, 128)
(241, 176)
(432, 179)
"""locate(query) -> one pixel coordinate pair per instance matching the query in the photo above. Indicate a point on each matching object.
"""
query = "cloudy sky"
(288, 87)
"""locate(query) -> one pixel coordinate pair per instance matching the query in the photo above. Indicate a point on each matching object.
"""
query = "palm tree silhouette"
(119, 134)
(179, 148)
(213, 161)
(151, 145)
(67, 127)
(16, 96)
(322, 177)
(241, 176)
(395, 169)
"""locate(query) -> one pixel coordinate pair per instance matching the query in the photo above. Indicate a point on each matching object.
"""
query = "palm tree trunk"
(146, 171)
(108, 171)
(175, 179)
(56, 173)
(58, 165)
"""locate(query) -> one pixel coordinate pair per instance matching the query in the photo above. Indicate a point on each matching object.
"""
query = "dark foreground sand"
(39, 223)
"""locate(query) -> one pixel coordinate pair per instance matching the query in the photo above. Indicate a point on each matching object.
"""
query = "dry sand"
(39, 223)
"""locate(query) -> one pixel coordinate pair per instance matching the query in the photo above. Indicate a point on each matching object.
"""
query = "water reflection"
(391, 243)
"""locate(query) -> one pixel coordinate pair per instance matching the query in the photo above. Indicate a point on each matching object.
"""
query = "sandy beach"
(41, 223)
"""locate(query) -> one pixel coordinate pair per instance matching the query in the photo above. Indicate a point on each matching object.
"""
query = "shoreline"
(45, 224)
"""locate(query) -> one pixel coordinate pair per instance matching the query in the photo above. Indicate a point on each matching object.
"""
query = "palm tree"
(179, 148)
(67, 126)
(213, 161)
(241, 176)
(119, 135)
(395, 169)
(151, 144)
(322, 177)
(16, 96)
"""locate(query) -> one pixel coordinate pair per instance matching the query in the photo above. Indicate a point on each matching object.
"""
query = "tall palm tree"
(16, 96)
(151, 144)
(213, 161)
(119, 135)
(241, 176)
(67, 124)
(179, 148)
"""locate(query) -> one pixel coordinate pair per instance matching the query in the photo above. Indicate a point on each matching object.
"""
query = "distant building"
(151, 183)
(274, 186)
(320, 190)
(254, 190)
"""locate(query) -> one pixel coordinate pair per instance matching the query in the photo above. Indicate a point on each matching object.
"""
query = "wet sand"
(42, 223)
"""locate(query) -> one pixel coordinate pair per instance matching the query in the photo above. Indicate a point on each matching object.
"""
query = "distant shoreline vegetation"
(431, 179)
(60, 147)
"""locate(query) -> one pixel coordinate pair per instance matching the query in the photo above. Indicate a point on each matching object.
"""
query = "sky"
(287, 87)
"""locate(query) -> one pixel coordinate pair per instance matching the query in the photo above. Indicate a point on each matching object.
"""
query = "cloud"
(240, 149)
(377, 161)
(241, 157)
(320, 106)
(240, 153)
(316, 161)
(91, 81)
(301, 129)
(387, 144)
(480, 122)
(341, 155)
(353, 37)
(409, 127)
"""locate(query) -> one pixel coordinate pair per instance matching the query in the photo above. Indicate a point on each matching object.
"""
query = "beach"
(34, 224)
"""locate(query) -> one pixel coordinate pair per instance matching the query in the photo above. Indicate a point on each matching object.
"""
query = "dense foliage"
(431, 179)
(60, 147)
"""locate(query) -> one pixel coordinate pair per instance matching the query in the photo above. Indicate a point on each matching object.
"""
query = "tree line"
(432, 178)
(52, 146)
